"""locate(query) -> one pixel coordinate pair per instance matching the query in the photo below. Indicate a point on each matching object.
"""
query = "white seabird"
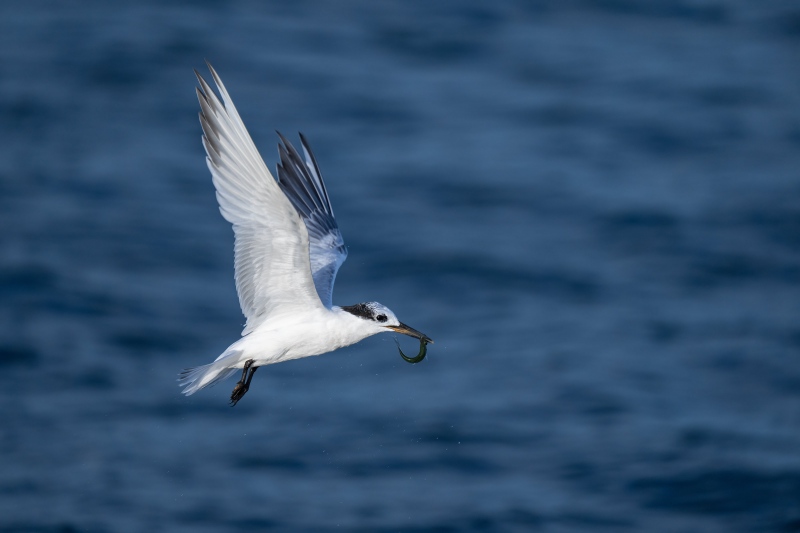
(287, 253)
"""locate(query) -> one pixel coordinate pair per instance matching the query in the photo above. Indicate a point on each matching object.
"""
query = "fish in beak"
(424, 340)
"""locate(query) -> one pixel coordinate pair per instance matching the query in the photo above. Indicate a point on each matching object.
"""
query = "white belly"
(294, 337)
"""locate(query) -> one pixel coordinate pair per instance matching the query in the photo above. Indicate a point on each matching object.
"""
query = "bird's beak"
(411, 332)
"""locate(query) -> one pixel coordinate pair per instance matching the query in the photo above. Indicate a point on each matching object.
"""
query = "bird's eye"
(381, 318)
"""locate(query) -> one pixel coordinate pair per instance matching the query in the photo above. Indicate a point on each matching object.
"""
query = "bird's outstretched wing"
(302, 183)
(273, 274)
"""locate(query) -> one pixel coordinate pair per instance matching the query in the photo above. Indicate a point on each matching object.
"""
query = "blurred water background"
(593, 207)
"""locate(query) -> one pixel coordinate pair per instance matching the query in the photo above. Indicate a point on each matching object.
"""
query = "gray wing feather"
(301, 182)
(272, 252)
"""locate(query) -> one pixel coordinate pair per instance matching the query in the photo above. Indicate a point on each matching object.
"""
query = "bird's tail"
(200, 377)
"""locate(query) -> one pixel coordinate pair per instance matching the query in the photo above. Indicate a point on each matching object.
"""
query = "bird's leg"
(245, 368)
(243, 385)
(250, 377)
(423, 351)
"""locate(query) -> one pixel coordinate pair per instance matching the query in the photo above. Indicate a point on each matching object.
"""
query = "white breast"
(294, 336)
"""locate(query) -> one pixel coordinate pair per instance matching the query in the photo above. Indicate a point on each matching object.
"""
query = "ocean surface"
(592, 206)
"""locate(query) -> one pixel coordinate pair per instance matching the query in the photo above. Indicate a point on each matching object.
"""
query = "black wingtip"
(283, 139)
(199, 77)
(201, 95)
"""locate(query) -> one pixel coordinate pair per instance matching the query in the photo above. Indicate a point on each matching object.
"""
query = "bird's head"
(382, 318)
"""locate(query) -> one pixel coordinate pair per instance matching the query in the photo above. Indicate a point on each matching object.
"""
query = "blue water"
(593, 207)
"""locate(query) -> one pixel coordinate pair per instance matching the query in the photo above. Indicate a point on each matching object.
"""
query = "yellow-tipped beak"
(411, 332)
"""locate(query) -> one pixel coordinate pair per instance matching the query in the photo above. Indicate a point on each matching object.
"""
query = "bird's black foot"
(243, 385)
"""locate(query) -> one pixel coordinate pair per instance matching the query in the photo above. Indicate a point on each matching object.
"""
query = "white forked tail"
(204, 376)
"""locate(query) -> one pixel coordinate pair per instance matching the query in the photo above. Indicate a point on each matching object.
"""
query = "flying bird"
(288, 250)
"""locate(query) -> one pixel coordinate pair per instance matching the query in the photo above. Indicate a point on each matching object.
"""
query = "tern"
(288, 249)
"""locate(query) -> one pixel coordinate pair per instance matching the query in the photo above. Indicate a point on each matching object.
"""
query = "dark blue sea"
(592, 206)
